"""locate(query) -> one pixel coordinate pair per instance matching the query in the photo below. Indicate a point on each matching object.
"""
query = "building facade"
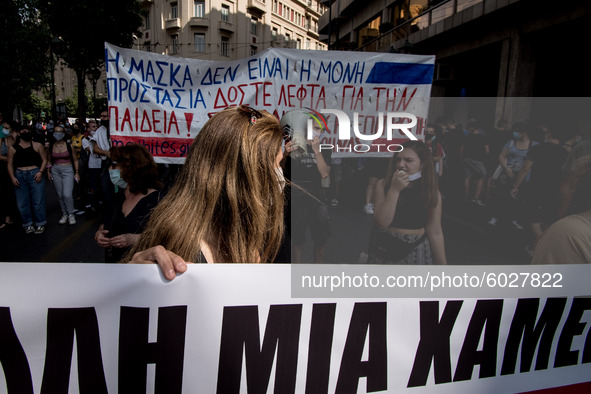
(483, 48)
(228, 29)
(212, 30)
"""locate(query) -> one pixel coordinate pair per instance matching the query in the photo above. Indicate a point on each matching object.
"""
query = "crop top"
(61, 158)
(411, 213)
(26, 157)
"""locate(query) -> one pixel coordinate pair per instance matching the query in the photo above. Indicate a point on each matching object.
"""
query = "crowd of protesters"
(523, 175)
(54, 152)
(526, 176)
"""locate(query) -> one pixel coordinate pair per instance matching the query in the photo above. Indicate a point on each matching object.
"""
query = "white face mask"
(58, 136)
(280, 177)
(415, 176)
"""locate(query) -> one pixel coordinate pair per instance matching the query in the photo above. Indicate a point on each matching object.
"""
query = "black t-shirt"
(304, 172)
(496, 141)
(451, 143)
(548, 159)
(133, 223)
(474, 147)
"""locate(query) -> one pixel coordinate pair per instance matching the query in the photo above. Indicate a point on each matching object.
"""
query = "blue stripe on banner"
(402, 73)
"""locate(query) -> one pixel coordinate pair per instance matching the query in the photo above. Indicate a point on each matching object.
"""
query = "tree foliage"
(83, 26)
(24, 45)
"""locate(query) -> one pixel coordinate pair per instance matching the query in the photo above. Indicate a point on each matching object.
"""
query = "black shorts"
(307, 212)
(377, 167)
(541, 205)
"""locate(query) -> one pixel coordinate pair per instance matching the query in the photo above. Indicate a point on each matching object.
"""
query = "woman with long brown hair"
(407, 211)
(227, 203)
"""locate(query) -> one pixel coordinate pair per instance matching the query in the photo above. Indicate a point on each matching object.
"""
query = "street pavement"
(468, 237)
(59, 243)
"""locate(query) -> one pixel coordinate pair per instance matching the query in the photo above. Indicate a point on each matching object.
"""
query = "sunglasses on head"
(252, 113)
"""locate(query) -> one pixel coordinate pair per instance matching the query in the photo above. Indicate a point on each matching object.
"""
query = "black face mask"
(27, 137)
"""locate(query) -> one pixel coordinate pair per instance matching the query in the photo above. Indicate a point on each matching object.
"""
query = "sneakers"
(71, 219)
(29, 229)
(39, 229)
(478, 202)
(516, 225)
(493, 221)
(334, 202)
(368, 208)
(63, 219)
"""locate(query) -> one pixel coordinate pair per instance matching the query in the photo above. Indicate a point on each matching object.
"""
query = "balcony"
(258, 5)
(226, 26)
(313, 31)
(435, 20)
(174, 23)
(199, 22)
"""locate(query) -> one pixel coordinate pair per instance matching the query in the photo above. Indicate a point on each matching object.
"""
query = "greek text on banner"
(235, 328)
(160, 100)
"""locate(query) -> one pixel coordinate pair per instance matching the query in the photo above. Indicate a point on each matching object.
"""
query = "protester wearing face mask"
(134, 175)
(81, 156)
(101, 142)
(26, 167)
(310, 174)
(511, 159)
(94, 166)
(408, 211)
(8, 208)
(436, 149)
(63, 172)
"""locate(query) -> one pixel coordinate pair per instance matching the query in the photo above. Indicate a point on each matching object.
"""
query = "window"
(225, 13)
(199, 9)
(175, 43)
(307, 43)
(174, 10)
(225, 45)
(253, 50)
(287, 40)
(147, 21)
(199, 42)
(274, 33)
(370, 31)
(253, 25)
(147, 46)
(275, 2)
(299, 44)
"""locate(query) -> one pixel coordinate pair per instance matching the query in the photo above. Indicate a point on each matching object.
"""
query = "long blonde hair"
(227, 193)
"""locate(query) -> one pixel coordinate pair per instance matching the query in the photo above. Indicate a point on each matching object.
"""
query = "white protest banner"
(96, 328)
(162, 102)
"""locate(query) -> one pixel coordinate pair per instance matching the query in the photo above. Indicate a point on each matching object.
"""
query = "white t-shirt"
(94, 161)
(101, 139)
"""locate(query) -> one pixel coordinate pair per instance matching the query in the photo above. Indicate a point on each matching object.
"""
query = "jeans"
(63, 180)
(30, 197)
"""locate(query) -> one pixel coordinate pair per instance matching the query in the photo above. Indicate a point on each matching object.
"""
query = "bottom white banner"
(69, 328)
